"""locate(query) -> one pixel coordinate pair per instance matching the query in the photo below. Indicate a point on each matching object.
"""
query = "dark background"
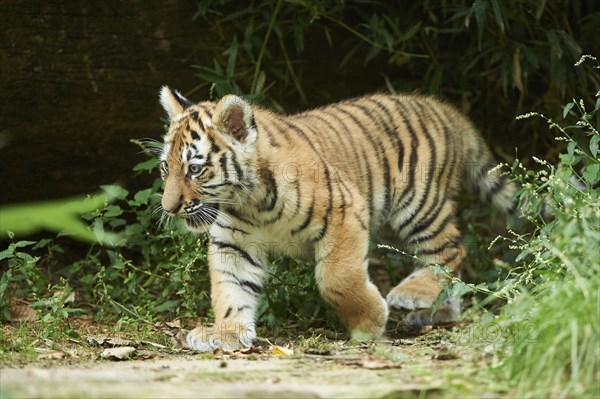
(79, 79)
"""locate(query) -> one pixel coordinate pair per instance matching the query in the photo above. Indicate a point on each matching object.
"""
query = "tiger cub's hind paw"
(446, 313)
(203, 339)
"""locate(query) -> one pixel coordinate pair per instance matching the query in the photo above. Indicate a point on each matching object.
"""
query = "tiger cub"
(318, 185)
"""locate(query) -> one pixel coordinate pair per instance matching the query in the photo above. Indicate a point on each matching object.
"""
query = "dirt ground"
(432, 364)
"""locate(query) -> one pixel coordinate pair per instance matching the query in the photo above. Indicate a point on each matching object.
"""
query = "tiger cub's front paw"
(227, 336)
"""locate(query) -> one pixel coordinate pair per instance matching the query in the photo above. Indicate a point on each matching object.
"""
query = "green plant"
(559, 272)
(515, 55)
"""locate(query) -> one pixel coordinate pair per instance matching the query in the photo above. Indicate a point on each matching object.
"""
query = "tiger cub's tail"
(486, 179)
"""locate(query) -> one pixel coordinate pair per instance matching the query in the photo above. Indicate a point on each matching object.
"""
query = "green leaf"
(591, 173)
(594, 145)
(115, 191)
(567, 109)
(168, 305)
(571, 148)
(25, 256)
(479, 8)
(62, 216)
(21, 244)
(8, 252)
(141, 197)
(117, 223)
(498, 14)
(42, 243)
(113, 211)
(410, 32)
(459, 289)
(148, 165)
(4, 281)
(487, 318)
(232, 51)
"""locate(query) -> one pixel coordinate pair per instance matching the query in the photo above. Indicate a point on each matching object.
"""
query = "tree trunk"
(78, 80)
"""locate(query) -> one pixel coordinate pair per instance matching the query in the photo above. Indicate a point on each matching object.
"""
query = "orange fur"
(322, 182)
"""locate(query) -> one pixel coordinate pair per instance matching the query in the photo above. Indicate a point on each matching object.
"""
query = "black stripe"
(379, 149)
(356, 157)
(339, 180)
(223, 226)
(451, 258)
(340, 141)
(431, 164)
(244, 254)
(195, 135)
(327, 179)
(227, 272)
(386, 122)
(429, 216)
(307, 219)
(414, 143)
(432, 234)
(391, 132)
(437, 250)
(257, 289)
(215, 185)
(276, 124)
(213, 146)
(365, 133)
(235, 214)
(223, 165)
(323, 230)
(236, 164)
(229, 309)
(277, 216)
(268, 202)
(362, 224)
(264, 130)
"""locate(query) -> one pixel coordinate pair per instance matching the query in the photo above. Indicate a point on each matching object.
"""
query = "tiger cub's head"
(207, 158)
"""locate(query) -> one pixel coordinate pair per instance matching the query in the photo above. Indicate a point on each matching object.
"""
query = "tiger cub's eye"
(195, 169)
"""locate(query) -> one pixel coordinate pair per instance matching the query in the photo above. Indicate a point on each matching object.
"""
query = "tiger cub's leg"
(236, 276)
(343, 280)
(441, 244)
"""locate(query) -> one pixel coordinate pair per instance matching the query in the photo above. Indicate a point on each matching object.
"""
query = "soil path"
(399, 369)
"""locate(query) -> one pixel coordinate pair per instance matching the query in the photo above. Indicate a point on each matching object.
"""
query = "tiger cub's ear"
(234, 116)
(173, 102)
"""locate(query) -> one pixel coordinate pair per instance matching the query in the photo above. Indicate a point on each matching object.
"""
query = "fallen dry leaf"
(281, 351)
(154, 344)
(444, 355)
(174, 331)
(369, 362)
(251, 350)
(120, 353)
(174, 324)
(318, 352)
(108, 341)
